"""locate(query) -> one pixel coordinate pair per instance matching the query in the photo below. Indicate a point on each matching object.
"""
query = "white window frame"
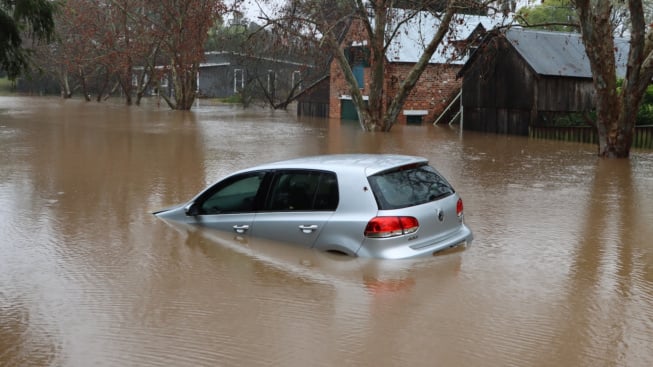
(238, 72)
(272, 87)
(296, 78)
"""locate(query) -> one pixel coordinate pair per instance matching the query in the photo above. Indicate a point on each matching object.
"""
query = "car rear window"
(408, 186)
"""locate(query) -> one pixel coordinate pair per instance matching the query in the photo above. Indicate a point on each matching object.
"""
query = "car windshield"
(408, 186)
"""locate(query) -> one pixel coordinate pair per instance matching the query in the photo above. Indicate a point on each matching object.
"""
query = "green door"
(347, 110)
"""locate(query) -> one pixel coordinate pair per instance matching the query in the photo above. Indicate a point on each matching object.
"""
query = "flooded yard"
(560, 272)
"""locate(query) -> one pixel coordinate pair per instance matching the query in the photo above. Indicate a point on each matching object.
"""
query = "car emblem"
(440, 214)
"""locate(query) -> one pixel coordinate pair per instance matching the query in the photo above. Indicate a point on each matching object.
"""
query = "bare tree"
(616, 108)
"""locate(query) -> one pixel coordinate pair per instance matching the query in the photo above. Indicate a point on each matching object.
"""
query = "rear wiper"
(440, 196)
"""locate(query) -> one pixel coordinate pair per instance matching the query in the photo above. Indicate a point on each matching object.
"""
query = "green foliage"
(645, 113)
(6, 86)
(644, 116)
(236, 98)
(549, 16)
(573, 119)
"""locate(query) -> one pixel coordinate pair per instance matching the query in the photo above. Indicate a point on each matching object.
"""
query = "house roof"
(226, 58)
(560, 53)
(414, 35)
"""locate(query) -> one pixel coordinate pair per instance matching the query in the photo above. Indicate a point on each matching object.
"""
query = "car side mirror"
(192, 209)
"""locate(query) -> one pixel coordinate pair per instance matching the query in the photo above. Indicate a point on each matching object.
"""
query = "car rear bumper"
(403, 249)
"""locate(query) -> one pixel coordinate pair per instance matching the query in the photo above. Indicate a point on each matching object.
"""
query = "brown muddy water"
(560, 272)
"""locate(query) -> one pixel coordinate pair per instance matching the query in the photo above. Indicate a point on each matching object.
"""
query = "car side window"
(294, 190)
(234, 195)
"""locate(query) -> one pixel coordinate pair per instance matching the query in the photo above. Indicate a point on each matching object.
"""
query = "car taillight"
(384, 227)
(459, 208)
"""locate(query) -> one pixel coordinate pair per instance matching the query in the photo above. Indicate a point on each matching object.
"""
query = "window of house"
(359, 58)
(272, 82)
(358, 55)
(359, 74)
(415, 117)
(239, 80)
(414, 120)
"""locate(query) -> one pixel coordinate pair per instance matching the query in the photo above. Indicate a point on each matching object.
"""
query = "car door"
(231, 204)
(297, 206)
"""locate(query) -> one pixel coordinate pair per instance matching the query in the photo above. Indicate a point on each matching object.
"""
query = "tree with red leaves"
(181, 28)
(133, 43)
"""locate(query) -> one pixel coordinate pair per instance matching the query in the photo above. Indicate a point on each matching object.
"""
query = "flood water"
(560, 272)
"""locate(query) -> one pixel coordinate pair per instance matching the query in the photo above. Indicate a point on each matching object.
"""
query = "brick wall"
(433, 90)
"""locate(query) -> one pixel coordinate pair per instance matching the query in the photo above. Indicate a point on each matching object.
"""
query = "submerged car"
(369, 205)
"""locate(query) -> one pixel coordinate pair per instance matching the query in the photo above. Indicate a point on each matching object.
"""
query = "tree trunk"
(377, 71)
(616, 109)
(64, 85)
(105, 85)
(82, 78)
(610, 135)
(185, 82)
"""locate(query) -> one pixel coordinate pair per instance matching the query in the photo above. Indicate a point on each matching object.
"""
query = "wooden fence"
(643, 135)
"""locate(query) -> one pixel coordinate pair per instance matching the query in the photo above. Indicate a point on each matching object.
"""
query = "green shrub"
(6, 86)
(644, 116)
(236, 98)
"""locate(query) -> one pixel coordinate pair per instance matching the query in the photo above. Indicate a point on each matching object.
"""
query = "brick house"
(438, 83)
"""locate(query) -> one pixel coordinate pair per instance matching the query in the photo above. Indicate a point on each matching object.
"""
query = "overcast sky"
(251, 8)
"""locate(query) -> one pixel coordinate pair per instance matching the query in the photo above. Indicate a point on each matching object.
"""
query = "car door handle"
(241, 229)
(308, 228)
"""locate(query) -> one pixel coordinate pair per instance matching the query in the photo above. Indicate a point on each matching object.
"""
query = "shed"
(521, 78)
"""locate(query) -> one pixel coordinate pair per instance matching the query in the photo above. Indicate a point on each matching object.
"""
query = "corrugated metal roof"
(414, 35)
(560, 53)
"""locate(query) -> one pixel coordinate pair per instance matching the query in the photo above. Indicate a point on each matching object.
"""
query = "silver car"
(368, 205)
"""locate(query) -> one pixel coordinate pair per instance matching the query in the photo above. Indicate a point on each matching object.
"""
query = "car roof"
(369, 163)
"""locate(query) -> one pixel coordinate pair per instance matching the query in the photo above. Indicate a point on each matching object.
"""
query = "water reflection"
(608, 272)
(559, 273)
